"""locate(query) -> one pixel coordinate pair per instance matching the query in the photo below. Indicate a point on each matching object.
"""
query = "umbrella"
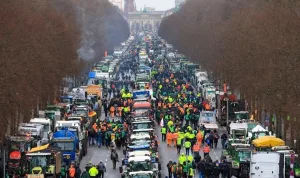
(268, 141)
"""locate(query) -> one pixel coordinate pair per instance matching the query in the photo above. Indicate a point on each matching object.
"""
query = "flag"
(288, 118)
(225, 87)
(162, 122)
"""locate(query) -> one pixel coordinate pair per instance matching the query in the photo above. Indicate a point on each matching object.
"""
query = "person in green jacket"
(85, 174)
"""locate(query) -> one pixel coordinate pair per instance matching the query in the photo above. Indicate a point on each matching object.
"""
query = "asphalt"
(170, 153)
(95, 155)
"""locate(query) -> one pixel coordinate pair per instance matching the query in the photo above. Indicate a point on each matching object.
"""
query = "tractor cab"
(17, 147)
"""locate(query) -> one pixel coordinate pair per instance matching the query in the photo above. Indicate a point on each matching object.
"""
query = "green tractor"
(239, 155)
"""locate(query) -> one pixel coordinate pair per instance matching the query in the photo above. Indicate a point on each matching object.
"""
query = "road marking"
(215, 154)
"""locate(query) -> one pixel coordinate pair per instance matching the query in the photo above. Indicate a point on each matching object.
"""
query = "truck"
(56, 109)
(34, 130)
(238, 130)
(44, 161)
(267, 165)
(69, 143)
(208, 120)
(137, 164)
(210, 95)
(79, 131)
(54, 115)
(48, 126)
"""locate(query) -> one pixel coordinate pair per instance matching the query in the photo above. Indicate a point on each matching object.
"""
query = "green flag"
(288, 118)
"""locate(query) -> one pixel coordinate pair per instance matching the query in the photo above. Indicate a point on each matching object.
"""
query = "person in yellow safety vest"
(170, 123)
(128, 95)
(122, 91)
(189, 128)
(191, 173)
(182, 158)
(191, 136)
(206, 150)
(175, 137)
(198, 94)
(179, 144)
(93, 172)
(163, 134)
(196, 149)
(190, 158)
(124, 95)
(127, 109)
(187, 145)
(181, 135)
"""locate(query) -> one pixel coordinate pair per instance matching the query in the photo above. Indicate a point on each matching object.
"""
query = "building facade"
(148, 21)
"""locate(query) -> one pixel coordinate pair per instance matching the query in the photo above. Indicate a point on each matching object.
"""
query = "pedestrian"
(77, 172)
(224, 139)
(99, 138)
(179, 143)
(211, 139)
(216, 138)
(114, 158)
(224, 169)
(163, 134)
(93, 172)
(102, 169)
(85, 174)
(187, 145)
(201, 168)
(169, 166)
(206, 150)
(105, 107)
(196, 149)
(191, 172)
(63, 171)
(72, 171)
(216, 171)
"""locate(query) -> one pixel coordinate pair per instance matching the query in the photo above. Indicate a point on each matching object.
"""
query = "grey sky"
(157, 4)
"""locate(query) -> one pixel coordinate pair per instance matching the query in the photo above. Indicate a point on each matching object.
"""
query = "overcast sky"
(157, 4)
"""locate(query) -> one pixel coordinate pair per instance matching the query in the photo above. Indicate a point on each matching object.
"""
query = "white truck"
(208, 119)
(267, 165)
(48, 126)
(33, 130)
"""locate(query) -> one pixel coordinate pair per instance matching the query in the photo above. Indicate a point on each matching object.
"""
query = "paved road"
(95, 155)
(170, 153)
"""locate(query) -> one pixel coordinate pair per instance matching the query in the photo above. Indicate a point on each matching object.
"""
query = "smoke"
(86, 51)
(101, 26)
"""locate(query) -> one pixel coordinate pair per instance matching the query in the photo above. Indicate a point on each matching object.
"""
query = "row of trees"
(252, 45)
(39, 46)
